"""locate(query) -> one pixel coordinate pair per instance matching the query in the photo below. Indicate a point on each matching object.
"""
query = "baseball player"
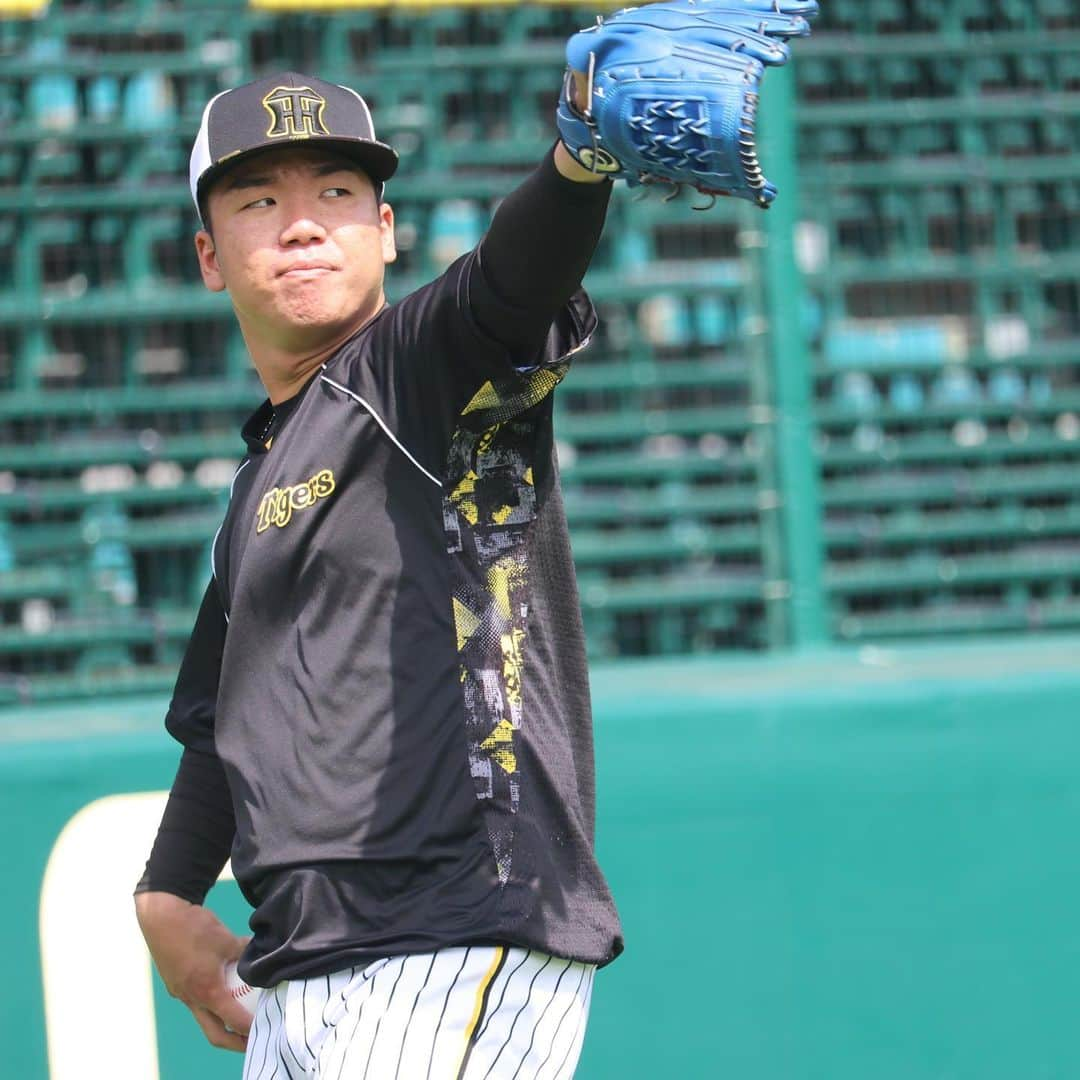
(384, 703)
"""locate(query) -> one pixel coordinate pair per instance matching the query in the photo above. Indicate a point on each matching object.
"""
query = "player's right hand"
(190, 947)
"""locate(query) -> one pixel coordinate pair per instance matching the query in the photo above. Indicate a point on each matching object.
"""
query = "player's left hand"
(669, 92)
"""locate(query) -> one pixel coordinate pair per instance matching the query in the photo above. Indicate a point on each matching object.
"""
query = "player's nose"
(301, 228)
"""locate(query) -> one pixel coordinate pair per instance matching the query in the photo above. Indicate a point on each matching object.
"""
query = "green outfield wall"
(829, 866)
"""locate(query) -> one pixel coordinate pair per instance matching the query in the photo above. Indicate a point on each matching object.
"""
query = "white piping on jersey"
(213, 545)
(382, 423)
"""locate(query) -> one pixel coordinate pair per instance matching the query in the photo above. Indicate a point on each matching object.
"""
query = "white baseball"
(246, 995)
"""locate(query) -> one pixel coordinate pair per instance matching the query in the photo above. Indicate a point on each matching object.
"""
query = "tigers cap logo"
(295, 112)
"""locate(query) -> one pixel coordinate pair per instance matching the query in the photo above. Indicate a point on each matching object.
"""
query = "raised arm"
(537, 249)
(512, 304)
(535, 253)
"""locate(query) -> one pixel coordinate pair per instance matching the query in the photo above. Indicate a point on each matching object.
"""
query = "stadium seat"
(937, 181)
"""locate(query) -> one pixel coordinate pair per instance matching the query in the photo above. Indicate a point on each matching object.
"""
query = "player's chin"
(314, 329)
(313, 311)
(337, 303)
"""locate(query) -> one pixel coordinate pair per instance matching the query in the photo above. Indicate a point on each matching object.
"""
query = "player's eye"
(266, 200)
(336, 192)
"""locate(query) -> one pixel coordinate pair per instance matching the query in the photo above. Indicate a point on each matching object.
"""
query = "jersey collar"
(266, 421)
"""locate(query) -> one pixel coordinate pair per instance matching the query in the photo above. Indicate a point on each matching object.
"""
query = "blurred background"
(820, 467)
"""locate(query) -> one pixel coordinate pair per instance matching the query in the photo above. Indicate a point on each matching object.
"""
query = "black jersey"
(390, 661)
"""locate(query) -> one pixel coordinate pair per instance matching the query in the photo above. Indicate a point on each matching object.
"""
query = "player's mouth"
(307, 270)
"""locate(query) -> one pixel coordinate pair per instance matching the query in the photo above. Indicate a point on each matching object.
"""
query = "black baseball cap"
(279, 110)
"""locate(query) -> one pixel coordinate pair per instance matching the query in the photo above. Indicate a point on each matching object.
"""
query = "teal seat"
(937, 184)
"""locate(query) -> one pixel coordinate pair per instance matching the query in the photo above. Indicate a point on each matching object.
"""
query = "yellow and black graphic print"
(277, 505)
(488, 509)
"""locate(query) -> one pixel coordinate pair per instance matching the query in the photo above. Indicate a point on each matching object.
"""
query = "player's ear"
(206, 251)
(386, 227)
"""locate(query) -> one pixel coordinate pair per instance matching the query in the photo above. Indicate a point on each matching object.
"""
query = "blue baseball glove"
(672, 91)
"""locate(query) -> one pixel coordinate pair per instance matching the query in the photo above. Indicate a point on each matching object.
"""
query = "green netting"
(937, 212)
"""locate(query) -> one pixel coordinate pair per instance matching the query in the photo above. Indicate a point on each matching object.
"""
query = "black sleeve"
(196, 831)
(190, 719)
(534, 255)
(492, 310)
(197, 828)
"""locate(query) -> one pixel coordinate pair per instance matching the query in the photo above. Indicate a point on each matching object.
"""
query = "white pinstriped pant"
(466, 1013)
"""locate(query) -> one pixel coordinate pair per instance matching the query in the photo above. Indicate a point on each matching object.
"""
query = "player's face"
(300, 242)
